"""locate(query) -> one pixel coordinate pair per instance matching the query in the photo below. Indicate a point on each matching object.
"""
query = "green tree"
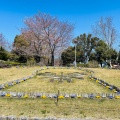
(86, 43)
(21, 48)
(3, 54)
(104, 53)
(68, 56)
(20, 45)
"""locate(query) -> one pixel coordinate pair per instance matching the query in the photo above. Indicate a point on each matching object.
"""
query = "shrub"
(10, 63)
(31, 62)
(82, 65)
(91, 64)
(4, 65)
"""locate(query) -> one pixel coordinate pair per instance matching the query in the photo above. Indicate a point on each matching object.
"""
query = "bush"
(14, 63)
(82, 65)
(4, 65)
(31, 62)
(91, 64)
(7, 64)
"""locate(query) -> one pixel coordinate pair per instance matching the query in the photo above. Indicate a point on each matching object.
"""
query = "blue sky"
(82, 13)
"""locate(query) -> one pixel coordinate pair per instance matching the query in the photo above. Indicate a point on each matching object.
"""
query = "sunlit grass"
(67, 108)
(42, 84)
(45, 86)
(9, 74)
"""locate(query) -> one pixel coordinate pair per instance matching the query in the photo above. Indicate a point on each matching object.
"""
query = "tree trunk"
(52, 59)
(101, 64)
(87, 59)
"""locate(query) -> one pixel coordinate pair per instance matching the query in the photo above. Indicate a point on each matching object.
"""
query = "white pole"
(75, 55)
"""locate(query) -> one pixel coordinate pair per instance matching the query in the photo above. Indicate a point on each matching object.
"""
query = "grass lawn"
(42, 84)
(67, 108)
(9, 74)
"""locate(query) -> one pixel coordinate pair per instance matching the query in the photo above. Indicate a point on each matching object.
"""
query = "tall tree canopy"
(47, 35)
(103, 53)
(21, 45)
(68, 56)
(86, 44)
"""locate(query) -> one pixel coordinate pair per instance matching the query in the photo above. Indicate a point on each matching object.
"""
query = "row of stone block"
(11, 83)
(25, 118)
(105, 84)
(61, 96)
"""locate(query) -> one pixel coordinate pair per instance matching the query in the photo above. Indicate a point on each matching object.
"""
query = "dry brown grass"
(67, 108)
(9, 74)
(43, 84)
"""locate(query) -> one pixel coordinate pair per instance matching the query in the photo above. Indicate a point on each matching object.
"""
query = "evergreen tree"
(3, 54)
(104, 53)
(86, 44)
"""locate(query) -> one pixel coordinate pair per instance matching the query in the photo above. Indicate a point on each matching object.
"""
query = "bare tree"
(2, 40)
(105, 30)
(47, 35)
